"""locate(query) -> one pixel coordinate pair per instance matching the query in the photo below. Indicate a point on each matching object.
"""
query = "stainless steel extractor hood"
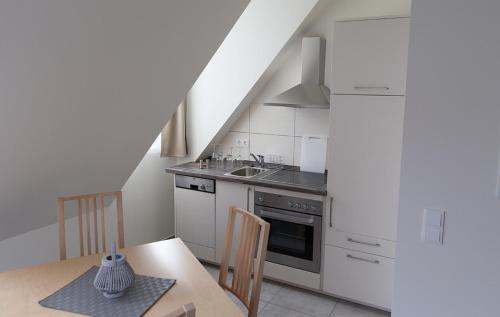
(310, 93)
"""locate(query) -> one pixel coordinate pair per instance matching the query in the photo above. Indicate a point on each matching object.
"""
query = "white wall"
(86, 86)
(279, 130)
(215, 101)
(148, 211)
(148, 199)
(450, 162)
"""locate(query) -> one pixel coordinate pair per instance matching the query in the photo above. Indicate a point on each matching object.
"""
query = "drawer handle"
(371, 87)
(363, 242)
(362, 259)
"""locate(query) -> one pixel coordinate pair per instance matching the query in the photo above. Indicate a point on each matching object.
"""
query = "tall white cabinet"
(367, 110)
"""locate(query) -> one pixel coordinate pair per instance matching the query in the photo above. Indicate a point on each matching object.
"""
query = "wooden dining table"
(20, 290)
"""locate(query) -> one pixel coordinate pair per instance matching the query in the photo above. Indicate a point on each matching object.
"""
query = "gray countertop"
(302, 181)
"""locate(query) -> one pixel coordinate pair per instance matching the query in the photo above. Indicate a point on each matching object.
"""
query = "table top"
(20, 290)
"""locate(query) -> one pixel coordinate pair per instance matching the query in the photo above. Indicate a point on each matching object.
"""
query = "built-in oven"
(295, 231)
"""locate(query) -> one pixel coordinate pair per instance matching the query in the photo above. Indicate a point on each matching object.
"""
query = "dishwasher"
(195, 214)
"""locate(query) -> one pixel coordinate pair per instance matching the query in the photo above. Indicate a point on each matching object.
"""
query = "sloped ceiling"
(86, 86)
(239, 67)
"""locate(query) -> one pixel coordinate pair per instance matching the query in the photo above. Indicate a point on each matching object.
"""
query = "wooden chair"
(187, 310)
(251, 252)
(90, 203)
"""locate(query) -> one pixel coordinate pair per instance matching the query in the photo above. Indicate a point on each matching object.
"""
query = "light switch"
(433, 226)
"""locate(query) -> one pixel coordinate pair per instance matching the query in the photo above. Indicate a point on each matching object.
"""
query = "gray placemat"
(81, 297)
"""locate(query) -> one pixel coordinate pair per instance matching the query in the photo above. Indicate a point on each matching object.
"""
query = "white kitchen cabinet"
(364, 167)
(360, 243)
(370, 56)
(195, 221)
(230, 194)
(365, 278)
(365, 143)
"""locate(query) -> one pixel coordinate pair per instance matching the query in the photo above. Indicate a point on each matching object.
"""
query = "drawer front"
(359, 276)
(361, 243)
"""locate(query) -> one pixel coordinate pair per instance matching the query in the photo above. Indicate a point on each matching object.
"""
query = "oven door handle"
(306, 220)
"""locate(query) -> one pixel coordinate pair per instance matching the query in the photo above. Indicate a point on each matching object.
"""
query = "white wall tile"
(231, 141)
(243, 123)
(276, 131)
(272, 120)
(273, 144)
(311, 122)
(297, 150)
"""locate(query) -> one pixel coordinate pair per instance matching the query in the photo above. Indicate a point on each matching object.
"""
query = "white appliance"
(195, 214)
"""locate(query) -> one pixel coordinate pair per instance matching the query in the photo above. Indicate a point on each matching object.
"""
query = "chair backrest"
(187, 310)
(90, 202)
(251, 253)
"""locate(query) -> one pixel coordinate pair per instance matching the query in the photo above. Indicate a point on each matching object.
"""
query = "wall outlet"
(242, 142)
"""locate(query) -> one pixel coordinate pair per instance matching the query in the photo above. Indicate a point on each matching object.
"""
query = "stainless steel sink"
(247, 172)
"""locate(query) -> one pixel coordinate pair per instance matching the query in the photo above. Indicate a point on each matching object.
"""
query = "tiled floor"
(279, 300)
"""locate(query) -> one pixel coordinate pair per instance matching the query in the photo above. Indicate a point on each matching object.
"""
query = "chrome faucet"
(259, 160)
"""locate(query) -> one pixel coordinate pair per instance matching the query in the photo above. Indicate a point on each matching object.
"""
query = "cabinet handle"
(362, 259)
(363, 242)
(331, 206)
(371, 87)
(248, 198)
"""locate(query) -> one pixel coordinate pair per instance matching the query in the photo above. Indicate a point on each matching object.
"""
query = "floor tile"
(269, 290)
(278, 300)
(353, 310)
(241, 306)
(304, 301)
(213, 270)
(271, 310)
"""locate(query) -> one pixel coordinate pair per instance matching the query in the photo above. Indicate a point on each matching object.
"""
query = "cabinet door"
(358, 276)
(195, 217)
(364, 166)
(230, 194)
(370, 56)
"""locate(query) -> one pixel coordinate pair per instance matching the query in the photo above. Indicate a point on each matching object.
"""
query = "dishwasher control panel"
(195, 183)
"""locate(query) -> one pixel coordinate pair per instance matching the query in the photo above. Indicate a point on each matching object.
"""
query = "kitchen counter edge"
(219, 175)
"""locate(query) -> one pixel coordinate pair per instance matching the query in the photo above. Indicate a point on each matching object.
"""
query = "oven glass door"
(294, 238)
(291, 238)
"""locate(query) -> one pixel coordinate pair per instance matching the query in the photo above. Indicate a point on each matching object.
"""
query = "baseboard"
(172, 236)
